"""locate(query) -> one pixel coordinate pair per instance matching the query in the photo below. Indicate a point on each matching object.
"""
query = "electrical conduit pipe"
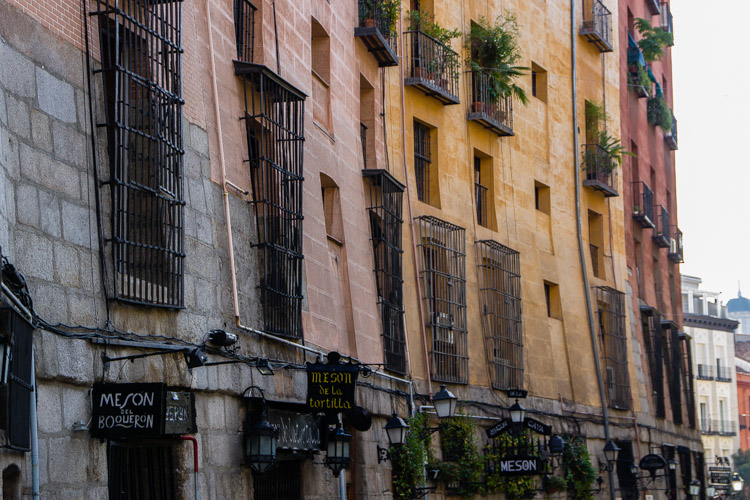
(195, 463)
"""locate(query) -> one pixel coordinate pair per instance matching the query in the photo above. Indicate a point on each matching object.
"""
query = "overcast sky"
(712, 107)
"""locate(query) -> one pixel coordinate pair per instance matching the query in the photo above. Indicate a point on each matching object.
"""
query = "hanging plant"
(653, 41)
(494, 49)
(408, 460)
(609, 155)
(462, 465)
(391, 13)
(659, 113)
(579, 473)
(425, 22)
(639, 77)
(513, 487)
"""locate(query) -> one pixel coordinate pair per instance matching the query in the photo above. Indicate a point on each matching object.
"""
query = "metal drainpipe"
(34, 436)
(195, 463)
(586, 293)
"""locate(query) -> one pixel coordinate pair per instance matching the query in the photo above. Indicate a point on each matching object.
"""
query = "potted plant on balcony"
(391, 14)
(495, 51)
(658, 113)
(638, 77)
(653, 39)
(424, 22)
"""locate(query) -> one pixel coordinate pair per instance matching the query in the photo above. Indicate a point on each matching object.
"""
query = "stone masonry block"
(49, 208)
(36, 258)
(42, 169)
(75, 361)
(49, 408)
(49, 301)
(204, 229)
(9, 154)
(215, 410)
(70, 144)
(45, 355)
(197, 195)
(16, 72)
(76, 224)
(18, 117)
(66, 265)
(199, 139)
(40, 131)
(75, 406)
(27, 210)
(3, 109)
(55, 97)
(68, 460)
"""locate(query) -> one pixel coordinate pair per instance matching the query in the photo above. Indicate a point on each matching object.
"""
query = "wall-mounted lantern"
(261, 444)
(710, 491)
(672, 464)
(338, 457)
(396, 429)
(556, 445)
(444, 402)
(737, 482)
(634, 469)
(517, 413)
(694, 488)
(610, 455)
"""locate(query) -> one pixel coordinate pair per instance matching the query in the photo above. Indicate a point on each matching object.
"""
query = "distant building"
(712, 344)
(739, 309)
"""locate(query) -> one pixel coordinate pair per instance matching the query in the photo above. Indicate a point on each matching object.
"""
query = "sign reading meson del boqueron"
(330, 388)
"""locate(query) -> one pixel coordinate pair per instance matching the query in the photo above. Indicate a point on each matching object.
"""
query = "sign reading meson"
(330, 388)
(520, 466)
(140, 410)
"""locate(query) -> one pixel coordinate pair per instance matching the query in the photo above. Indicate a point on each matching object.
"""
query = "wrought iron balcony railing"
(636, 65)
(491, 111)
(653, 6)
(661, 231)
(600, 170)
(675, 246)
(244, 29)
(666, 20)
(481, 201)
(723, 374)
(431, 66)
(643, 204)
(705, 372)
(378, 32)
(597, 25)
(671, 137)
(724, 427)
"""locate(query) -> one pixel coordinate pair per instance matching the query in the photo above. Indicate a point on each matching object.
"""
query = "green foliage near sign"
(658, 113)
(408, 460)
(462, 465)
(741, 461)
(579, 473)
(513, 487)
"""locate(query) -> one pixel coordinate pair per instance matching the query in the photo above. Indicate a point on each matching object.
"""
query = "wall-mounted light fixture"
(710, 491)
(260, 441)
(222, 338)
(338, 457)
(396, 429)
(444, 402)
(610, 455)
(672, 464)
(634, 469)
(694, 488)
(737, 482)
(264, 367)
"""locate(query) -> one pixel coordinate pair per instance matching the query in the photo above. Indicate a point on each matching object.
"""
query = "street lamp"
(710, 491)
(517, 413)
(338, 457)
(261, 444)
(695, 488)
(737, 483)
(444, 402)
(610, 452)
(396, 429)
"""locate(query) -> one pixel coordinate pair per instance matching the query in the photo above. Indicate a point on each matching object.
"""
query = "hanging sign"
(520, 466)
(179, 413)
(652, 462)
(498, 428)
(330, 387)
(127, 410)
(537, 426)
(517, 393)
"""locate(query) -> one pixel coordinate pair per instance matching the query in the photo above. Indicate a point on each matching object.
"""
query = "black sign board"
(719, 469)
(537, 426)
(652, 462)
(498, 428)
(721, 487)
(179, 413)
(330, 388)
(297, 431)
(128, 410)
(517, 393)
(520, 466)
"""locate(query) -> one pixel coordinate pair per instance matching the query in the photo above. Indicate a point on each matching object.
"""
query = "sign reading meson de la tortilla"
(127, 410)
(520, 466)
(330, 388)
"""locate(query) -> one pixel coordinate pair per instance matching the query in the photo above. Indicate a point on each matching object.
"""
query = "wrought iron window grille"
(672, 364)
(141, 72)
(442, 248)
(244, 29)
(16, 338)
(643, 204)
(141, 471)
(687, 378)
(422, 161)
(653, 339)
(661, 231)
(274, 123)
(500, 303)
(386, 206)
(611, 316)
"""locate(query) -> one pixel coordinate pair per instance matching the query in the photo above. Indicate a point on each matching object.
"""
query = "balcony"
(489, 110)
(661, 231)
(431, 67)
(376, 30)
(723, 374)
(481, 201)
(705, 372)
(597, 25)
(675, 246)
(637, 69)
(643, 204)
(653, 7)
(665, 17)
(600, 170)
(720, 427)
(671, 137)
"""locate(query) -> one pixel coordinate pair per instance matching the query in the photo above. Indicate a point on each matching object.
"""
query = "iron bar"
(431, 66)
(611, 316)
(597, 25)
(244, 29)
(422, 161)
(643, 204)
(652, 335)
(489, 106)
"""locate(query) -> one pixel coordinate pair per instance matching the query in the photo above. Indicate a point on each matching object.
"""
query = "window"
(244, 29)
(611, 316)
(596, 243)
(500, 304)
(283, 482)
(143, 94)
(15, 379)
(628, 481)
(275, 138)
(425, 169)
(443, 279)
(320, 45)
(11, 482)
(672, 365)
(653, 339)
(686, 369)
(552, 297)
(483, 191)
(541, 197)
(367, 122)
(538, 82)
(138, 470)
(332, 209)
(385, 209)
(668, 453)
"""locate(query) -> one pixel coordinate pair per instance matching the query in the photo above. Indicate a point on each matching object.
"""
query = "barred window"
(422, 161)
(687, 378)
(16, 338)
(385, 210)
(141, 70)
(138, 470)
(244, 29)
(443, 279)
(500, 303)
(652, 336)
(274, 112)
(672, 362)
(611, 316)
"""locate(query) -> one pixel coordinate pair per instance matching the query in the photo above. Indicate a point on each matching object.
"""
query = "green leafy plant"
(425, 22)
(553, 484)
(579, 473)
(610, 152)
(408, 460)
(513, 487)
(462, 463)
(658, 113)
(654, 39)
(391, 14)
(639, 76)
(494, 49)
